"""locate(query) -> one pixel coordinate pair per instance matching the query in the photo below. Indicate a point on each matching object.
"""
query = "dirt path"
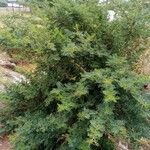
(4, 143)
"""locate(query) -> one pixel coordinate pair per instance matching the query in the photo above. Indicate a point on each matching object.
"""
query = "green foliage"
(3, 3)
(84, 94)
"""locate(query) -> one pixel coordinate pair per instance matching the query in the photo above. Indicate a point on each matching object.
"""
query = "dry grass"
(25, 67)
(143, 64)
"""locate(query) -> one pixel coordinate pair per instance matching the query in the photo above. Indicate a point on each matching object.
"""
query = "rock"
(122, 146)
(2, 88)
(10, 76)
(7, 64)
(14, 76)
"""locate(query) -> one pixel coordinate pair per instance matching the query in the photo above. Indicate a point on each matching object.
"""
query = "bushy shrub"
(3, 3)
(85, 93)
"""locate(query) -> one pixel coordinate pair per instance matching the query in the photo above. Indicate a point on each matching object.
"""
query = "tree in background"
(3, 3)
(84, 94)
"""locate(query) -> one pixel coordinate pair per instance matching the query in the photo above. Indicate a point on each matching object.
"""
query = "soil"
(4, 143)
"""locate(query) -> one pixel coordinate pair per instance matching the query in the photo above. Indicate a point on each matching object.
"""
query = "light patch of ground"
(4, 143)
(145, 144)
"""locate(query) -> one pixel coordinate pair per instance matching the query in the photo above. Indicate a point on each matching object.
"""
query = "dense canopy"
(84, 94)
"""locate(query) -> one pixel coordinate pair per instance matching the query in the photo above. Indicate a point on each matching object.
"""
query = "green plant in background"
(84, 94)
(3, 3)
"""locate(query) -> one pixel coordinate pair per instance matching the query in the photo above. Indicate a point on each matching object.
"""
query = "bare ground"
(4, 143)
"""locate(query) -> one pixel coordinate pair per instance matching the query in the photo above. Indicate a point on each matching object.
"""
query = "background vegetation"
(3, 3)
